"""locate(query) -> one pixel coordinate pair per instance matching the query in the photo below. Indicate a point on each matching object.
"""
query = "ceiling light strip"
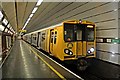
(33, 12)
(39, 2)
(35, 9)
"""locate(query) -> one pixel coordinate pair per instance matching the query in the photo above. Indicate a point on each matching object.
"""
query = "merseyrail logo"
(70, 45)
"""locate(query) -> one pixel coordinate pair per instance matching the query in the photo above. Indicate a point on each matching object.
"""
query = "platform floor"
(25, 61)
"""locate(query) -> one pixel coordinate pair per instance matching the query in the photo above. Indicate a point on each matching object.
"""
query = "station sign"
(22, 30)
(115, 41)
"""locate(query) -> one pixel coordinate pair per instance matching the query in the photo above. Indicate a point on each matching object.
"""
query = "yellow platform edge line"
(55, 71)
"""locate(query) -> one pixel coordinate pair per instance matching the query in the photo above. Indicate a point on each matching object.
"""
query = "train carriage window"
(35, 37)
(55, 37)
(43, 36)
(52, 35)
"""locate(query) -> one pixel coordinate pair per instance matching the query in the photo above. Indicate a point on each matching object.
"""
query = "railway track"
(84, 74)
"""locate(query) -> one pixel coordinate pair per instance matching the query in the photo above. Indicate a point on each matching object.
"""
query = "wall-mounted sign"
(22, 30)
(116, 41)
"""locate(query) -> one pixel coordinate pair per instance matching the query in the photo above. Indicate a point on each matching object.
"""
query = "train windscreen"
(78, 32)
(90, 33)
(72, 32)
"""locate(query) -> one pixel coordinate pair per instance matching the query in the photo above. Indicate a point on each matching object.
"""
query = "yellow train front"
(78, 40)
(68, 41)
(73, 40)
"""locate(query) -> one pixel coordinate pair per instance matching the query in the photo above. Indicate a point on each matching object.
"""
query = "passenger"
(68, 39)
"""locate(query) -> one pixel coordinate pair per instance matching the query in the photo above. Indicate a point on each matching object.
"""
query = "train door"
(54, 43)
(39, 40)
(79, 49)
(51, 40)
(78, 38)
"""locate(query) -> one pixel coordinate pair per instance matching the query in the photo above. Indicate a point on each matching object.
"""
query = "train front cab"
(80, 41)
(73, 40)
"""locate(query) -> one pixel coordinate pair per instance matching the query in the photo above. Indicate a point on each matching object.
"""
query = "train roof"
(67, 21)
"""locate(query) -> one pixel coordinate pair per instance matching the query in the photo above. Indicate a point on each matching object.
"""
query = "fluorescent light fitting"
(24, 26)
(8, 25)
(1, 28)
(39, 2)
(31, 15)
(6, 30)
(112, 55)
(13, 31)
(5, 21)
(27, 21)
(35, 9)
(10, 32)
(115, 9)
(1, 15)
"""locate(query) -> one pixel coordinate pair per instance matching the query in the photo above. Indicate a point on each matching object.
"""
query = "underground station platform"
(25, 61)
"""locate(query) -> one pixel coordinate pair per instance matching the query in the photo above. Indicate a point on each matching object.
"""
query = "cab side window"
(52, 35)
(55, 37)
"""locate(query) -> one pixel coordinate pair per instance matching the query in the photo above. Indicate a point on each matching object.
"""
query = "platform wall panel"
(111, 33)
(119, 32)
(0, 45)
(119, 53)
(106, 25)
(108, 57)
(119, 4)
(119, 25)
(108, 47)
(119, 13)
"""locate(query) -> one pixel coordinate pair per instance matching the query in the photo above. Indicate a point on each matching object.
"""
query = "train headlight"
(89, 51)
(92, 49)
(67, 51)
(70, 53)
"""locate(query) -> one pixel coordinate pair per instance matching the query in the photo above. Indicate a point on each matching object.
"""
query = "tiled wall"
(119, 28)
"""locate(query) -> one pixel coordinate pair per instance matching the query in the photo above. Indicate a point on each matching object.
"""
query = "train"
(71, 40)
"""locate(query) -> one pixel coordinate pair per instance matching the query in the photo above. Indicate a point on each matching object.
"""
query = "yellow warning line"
(62, 77)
